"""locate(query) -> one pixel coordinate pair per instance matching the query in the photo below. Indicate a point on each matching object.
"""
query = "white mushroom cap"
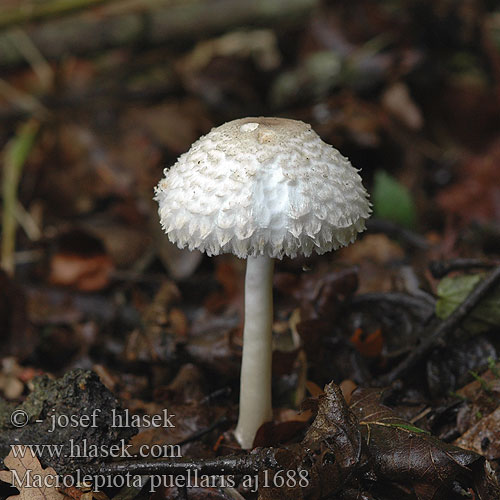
(262, 186)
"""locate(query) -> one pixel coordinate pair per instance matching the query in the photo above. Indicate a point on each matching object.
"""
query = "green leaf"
(392, 200)
(452, 291)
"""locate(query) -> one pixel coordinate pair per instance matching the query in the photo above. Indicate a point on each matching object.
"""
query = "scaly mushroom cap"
(262, 186)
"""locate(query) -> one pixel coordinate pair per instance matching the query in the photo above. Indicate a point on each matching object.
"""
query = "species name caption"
(81, 448)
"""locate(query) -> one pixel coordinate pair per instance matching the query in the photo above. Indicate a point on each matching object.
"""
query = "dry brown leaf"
(175, 124)
(78, 494)
(314, 389)
(83, 273)
(81, 262)
(475, 195)
(38, 486)
(159, 335)
(376, 248)
(376, 256)
(483, 437)
(347, 387)
(369, 345)
(261, 45)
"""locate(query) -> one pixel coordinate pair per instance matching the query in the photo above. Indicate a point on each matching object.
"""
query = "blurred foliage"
(392, 200)
(452, 291)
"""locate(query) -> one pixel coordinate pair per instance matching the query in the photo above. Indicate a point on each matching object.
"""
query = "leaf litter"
(98, 286)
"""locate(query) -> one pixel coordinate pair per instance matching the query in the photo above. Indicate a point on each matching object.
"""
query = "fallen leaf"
(274, 433)
(314, 389)
(158, 338)
(229, 272)
(397, 100)
(261, 45)
(187, 421)
(86, 274)
(40, 487)
(80, 262)
(187, 386)
(483, 437)
(377, 248)
(332, 452)
(405, 454)
(453, 290)
(74, 493)
(480, 399)
(369, 345)
(378, 258)
(448, 368)
(473, 389)
(476, 193)
(175, 124)
(347, 387)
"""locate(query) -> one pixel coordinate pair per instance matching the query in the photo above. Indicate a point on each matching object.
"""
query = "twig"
(202, 432)
(30, 52)
(149, 22)
(224, 392)
(246, 463)
(31, 11)
(182, 492)
(423, 303)
(22, 100)
(26, 221)
(440, 268)
(232, 493)
(444, 328)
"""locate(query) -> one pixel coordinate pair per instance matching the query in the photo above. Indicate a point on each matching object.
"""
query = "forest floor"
(386, 371)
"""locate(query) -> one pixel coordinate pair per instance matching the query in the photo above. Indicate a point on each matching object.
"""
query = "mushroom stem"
(255, 382)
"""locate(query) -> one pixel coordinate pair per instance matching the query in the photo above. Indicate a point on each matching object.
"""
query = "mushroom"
(261, 188)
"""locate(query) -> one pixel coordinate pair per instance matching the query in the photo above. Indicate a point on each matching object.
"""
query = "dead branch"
(116, 24)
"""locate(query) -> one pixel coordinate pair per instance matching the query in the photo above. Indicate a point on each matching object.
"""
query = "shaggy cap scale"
(262, 186)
